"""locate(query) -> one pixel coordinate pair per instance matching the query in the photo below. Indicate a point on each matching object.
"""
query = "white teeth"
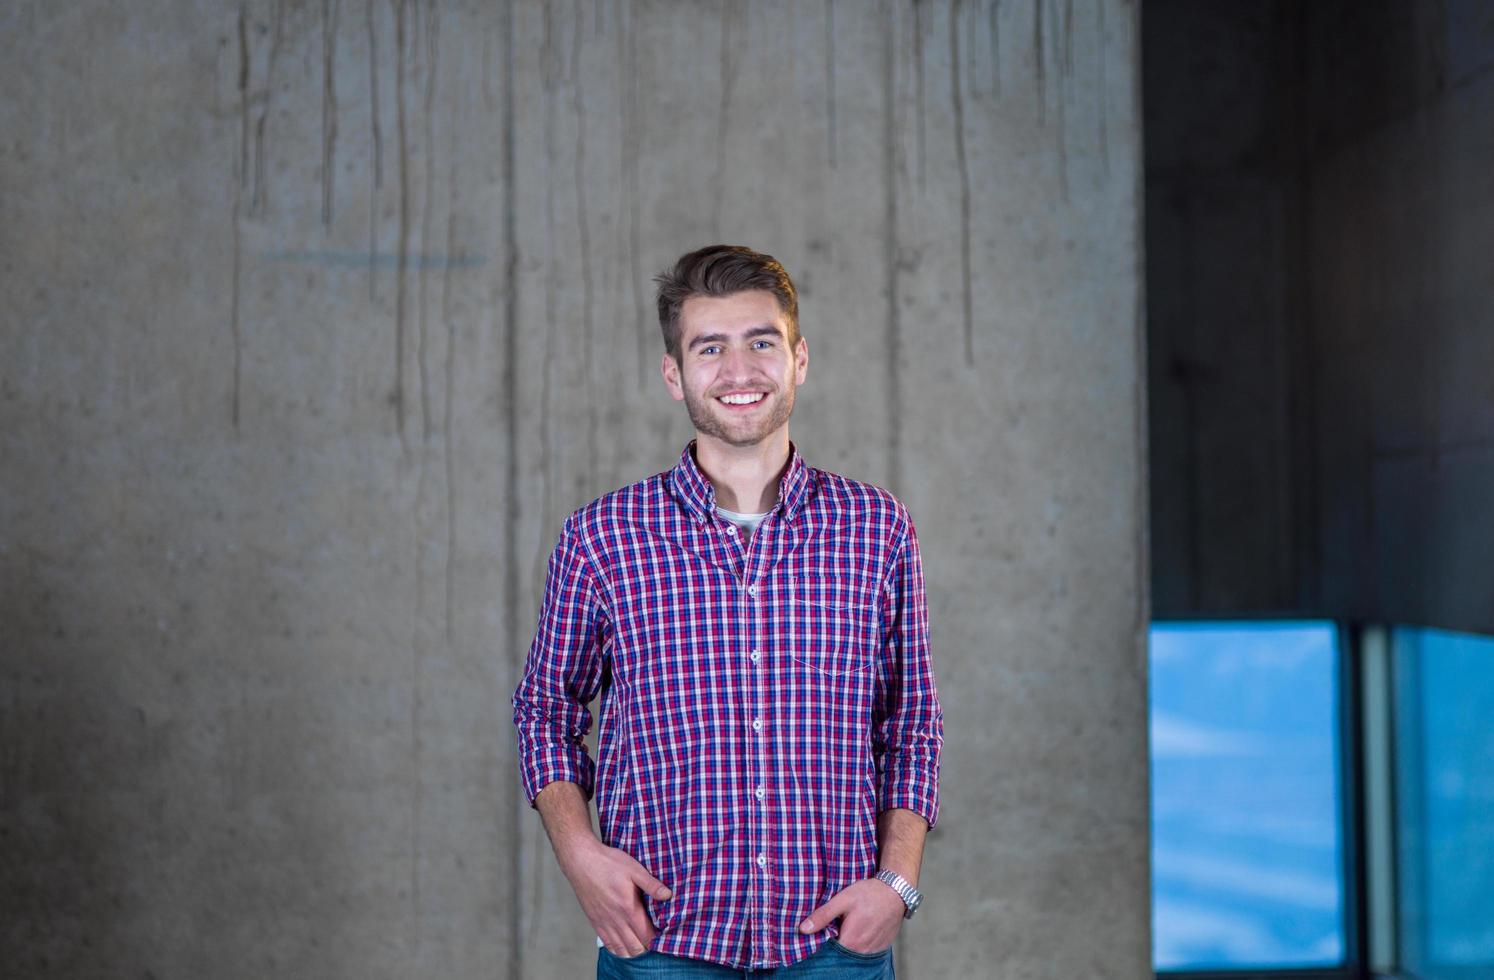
(742, 399)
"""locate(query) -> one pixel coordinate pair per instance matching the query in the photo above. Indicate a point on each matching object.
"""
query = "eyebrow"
(762, 330)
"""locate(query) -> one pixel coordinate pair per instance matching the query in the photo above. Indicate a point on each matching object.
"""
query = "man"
(770, 736)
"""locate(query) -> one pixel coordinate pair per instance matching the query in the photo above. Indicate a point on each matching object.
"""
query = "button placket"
(758, 613)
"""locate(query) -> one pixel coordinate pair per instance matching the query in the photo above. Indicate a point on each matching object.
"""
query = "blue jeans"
(831, 961)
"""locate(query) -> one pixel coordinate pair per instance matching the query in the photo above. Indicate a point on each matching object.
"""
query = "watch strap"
(912, 897)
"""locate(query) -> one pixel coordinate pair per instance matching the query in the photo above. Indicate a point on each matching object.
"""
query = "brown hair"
(720, 270)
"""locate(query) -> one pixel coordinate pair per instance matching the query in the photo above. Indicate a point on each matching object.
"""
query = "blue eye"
(763, 344)
(712, 349)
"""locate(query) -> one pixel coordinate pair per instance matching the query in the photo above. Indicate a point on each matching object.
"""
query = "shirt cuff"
(554, 764)
(907, 788)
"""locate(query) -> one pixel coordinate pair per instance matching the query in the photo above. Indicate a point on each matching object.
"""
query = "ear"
(670, 368)
(801, 361)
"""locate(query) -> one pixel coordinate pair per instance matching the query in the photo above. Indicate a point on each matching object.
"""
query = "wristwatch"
(911, 896)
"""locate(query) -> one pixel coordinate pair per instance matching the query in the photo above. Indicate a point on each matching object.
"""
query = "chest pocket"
(833, 624)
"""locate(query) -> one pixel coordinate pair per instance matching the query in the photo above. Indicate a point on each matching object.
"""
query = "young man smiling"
(768, 758)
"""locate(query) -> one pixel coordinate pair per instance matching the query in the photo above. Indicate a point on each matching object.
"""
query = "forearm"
(606, 880)
(567, 820)
(900, 837)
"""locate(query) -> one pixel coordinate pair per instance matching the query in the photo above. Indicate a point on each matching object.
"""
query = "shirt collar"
(693, 488)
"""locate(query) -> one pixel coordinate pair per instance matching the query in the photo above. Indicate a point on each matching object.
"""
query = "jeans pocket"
(610, 966)
(879, 955)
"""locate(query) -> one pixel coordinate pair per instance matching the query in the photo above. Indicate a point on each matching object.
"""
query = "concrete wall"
(318, 317)
(1318, 226)
(1401, 233)
(1230, 410)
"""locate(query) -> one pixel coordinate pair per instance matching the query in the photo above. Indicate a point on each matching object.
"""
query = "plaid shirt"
(768, 698)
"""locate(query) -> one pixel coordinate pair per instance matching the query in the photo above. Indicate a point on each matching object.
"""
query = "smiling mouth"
(742, 398)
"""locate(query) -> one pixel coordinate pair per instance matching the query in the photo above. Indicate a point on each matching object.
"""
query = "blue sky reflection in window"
(1445, 714)
(1246, 849)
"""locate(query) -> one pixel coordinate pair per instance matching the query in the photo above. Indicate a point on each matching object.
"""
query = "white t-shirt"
(747, 522)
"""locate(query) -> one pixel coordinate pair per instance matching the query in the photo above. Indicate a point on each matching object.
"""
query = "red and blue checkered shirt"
(768, 698)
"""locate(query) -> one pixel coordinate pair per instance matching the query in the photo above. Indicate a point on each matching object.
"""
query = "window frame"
(1369, 760)
(1403, 678)
(1349, 721)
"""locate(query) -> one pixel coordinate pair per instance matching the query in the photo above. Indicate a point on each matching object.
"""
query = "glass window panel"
(1246, 851)
(1445, 801)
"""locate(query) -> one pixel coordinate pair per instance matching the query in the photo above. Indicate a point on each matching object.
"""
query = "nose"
(736, 364)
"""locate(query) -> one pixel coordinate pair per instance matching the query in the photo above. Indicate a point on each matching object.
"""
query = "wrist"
(577, 850)
(911, 897)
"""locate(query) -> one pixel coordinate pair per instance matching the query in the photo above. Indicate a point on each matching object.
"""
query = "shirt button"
(762, 860)
(731, 529)
(761, 792)
(757, 724)
(755, 656)
(752, 591)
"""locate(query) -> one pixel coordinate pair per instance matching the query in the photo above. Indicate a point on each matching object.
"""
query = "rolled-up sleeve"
(562, 674)
(908, 726)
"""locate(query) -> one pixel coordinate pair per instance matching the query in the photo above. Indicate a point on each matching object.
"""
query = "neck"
(745, 477)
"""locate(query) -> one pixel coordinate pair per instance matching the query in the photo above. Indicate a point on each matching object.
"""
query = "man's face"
(737, 373)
